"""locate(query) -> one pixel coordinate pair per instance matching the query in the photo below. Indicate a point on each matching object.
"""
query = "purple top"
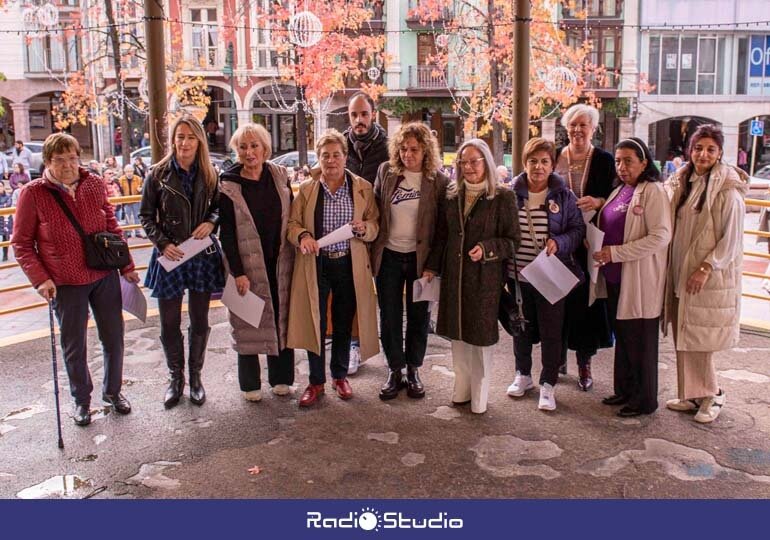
(613, 224)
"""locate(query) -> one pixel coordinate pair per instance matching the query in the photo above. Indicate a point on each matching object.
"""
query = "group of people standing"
(670, 254)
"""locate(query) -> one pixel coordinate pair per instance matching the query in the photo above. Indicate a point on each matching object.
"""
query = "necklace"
(586, 161)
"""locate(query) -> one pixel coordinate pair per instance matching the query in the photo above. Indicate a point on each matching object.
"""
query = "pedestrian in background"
(589, 172)
(330, 199)
(704, 270)
(636, 221)
(131, 185)
(475, 236)
(411, 193)
(179, 201)
(51, 253)
(254, 215)
(19, 175)
(552, 222)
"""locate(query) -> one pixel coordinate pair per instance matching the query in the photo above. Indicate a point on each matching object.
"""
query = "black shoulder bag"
(104, 250)
(511, 310)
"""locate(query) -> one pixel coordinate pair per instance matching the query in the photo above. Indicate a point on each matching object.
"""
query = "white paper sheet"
(133, 299)
(248, 307)
(190, 247)
(550, 277)
(595, 237)
(588, 216)
(340, 235)
(422, 291)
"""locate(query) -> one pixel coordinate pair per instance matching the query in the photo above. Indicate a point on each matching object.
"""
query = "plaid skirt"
(202, 273)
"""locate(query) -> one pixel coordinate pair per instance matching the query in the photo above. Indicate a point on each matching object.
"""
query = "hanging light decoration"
(305, 29)
(373, 73)
(442, 40)
(561, 80)
(39, 19)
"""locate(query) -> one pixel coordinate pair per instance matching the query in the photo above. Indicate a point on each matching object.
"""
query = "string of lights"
(65, 27)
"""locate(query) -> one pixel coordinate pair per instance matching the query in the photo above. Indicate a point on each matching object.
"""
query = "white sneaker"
(683, 405)
(710, 408)
(521, 383)
(254, 395)
(280, 389)
(355, 360)
(547, 398)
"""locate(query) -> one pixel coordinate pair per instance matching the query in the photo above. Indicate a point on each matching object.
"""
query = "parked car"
(36, 162)
(291, 159)
(145, 152)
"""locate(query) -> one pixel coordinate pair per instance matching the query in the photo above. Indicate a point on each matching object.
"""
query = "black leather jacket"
(167, 215)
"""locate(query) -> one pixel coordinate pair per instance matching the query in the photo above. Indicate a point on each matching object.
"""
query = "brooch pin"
(638, 210)
(553, 207)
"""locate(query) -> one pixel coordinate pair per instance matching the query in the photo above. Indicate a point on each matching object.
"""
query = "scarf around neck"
(68, 189)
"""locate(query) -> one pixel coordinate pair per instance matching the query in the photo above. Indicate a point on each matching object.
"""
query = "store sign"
(759, 65)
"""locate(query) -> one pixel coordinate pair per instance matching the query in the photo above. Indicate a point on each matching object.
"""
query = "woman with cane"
(51, 253)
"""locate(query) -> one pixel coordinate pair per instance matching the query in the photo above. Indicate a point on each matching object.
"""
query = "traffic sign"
(757, 128)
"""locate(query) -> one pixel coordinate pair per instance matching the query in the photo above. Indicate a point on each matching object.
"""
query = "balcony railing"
(446, 13)
(430, 78)
(608, 81)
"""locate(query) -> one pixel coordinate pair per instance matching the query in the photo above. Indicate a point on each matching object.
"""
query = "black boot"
(197, 356)
(414, 386)
(174, 348)
(393, 385)
(585, 380)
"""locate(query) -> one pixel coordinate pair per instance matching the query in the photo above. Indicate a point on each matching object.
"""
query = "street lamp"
(229, 70)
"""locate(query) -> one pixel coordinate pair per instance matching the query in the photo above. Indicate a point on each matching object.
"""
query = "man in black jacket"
(367, 150)
(367, 140)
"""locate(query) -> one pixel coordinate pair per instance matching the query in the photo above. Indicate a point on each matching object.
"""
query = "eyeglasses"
(63, 161)
(472, 162)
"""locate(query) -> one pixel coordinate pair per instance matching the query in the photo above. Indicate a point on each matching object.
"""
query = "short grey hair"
(490, 169)
(256, 130)
(579, 110)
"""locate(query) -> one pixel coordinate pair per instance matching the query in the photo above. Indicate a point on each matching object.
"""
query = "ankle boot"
(197, 355)
(585, 380)
(393, 385)
(173, 346)
(414, 386)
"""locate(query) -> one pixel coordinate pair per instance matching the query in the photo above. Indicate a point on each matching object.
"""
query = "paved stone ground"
(369, 448)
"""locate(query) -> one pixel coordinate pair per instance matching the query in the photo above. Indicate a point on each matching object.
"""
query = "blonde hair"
(203, 158)
(331, 136)
(258, 131)
(58, 143)
(538, 144)
(431, 162)
(490, 169)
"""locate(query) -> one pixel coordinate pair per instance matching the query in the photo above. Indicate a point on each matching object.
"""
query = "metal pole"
(156, 77)
(233, 109)
(520, 133)
(753, 152)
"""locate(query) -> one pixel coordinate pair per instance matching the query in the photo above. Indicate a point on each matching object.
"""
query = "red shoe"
(311, 395)
(344, 391)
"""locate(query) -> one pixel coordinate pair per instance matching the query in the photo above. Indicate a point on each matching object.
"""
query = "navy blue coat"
(565, 225)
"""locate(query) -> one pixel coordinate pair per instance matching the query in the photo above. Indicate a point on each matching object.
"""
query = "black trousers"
(280, 369)
(335, 276)
(396, 271)
(71, 307)
(546, 320)
(170, 312)
(636, 356)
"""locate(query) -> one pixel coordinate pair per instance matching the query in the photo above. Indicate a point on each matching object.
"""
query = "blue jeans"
(396, 271)
(335, 276)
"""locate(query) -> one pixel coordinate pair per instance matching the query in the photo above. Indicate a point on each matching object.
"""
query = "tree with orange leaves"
(475, 44)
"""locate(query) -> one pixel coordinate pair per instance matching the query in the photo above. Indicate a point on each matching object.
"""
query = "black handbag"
(511, 310)
(103, 250)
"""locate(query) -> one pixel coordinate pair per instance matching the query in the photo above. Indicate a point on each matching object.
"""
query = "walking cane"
(55, 374)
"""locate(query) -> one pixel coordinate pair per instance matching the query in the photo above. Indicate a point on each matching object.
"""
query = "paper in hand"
(550, 277)
(190, 247)
(248, 307)
(134, 301)
(340, 235)
(595, 237)
(588, 216)
(424, 291)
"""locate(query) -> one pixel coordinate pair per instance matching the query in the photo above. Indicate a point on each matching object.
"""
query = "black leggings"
(171, 314)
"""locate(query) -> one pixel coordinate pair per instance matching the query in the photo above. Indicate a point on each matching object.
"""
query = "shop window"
(687, 64)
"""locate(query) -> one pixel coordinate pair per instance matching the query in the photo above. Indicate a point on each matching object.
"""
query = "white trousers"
(473, 368)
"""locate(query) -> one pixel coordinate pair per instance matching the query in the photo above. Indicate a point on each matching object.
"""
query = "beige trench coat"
(304, 313)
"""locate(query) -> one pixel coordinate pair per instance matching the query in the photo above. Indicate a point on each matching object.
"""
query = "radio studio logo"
(370, 519)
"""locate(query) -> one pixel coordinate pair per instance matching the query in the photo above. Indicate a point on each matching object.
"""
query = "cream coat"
(304, 314)
(643, 253)
(709, 321)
